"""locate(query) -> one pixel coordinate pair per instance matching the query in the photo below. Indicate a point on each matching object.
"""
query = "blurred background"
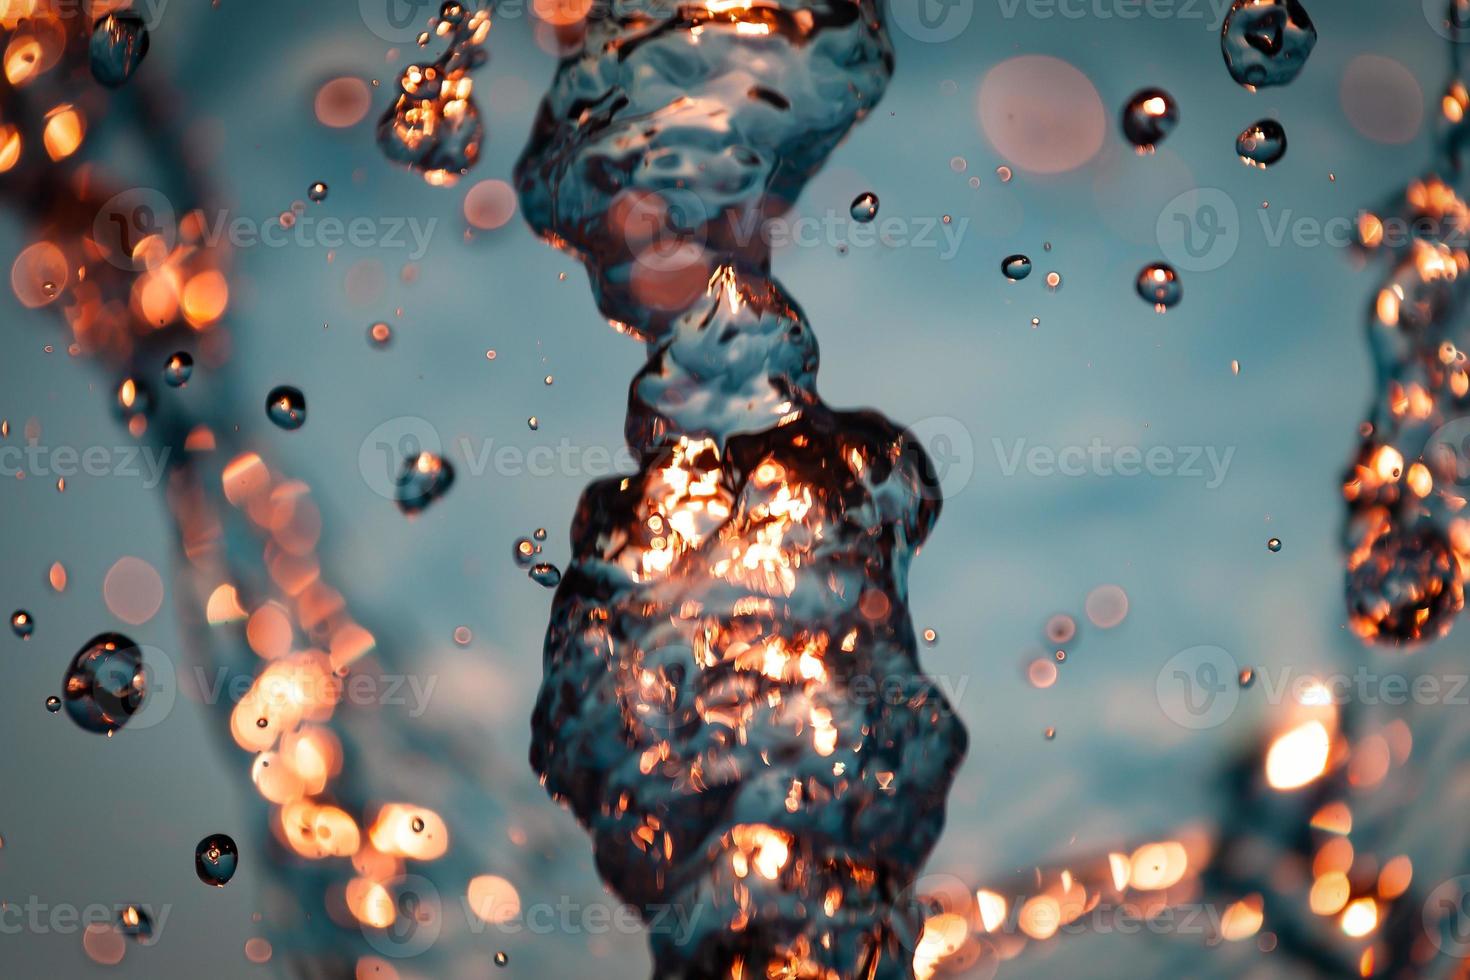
(1253, 385)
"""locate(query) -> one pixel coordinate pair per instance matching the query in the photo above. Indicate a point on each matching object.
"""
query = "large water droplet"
(1016, 267)
(104, 684)
(1266, 42)
(119, 42)
(22, 624)
(286, 406)
(1261, 144)
(546, 574)
(1159, 284)
(215, 860)
(424, 479)
(178, 368)
(864, 207)
(1148, 117)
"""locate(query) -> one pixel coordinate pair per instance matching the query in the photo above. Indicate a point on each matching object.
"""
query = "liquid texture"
(732, 703)
(1266, 42)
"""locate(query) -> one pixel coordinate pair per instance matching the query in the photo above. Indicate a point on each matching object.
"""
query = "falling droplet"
(1159, 284)
(134, 399)
(524, 552)
(1266, 42)
(1004, 173)
(215, 859)
(548, 379)
(22, 624)
(1035, 322)
(177, 368)
(534, 423)
(53, 704)
(380, 335)
(1016, 267)
(1053, 281)
(1061, 656)
(136, 924)
(119, 42)
(104, 685)
(286, 406)
(1050, 733)
(501, 958)
(1234, 367)
(317, 192)
(931, 637)
(1149, 115)
(1247, 677)
(546, 574)
(424, 479)
(1261, 144)
(417, 824)
(864, 207)
(539, 534)
(1274, 545)
(463, 636)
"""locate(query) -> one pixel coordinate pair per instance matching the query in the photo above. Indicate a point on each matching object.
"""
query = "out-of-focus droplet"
(524, 552)
(1016, 267)
(1274, 544)
(931, 637)
(22, 624)
(1234, 367)
(864, 207)
(343, 102)
(1035, 322)
(1159, 284)
(1266, 42)
(104, 684)
(1107, 606)
(317, 192)
(1247, 677)
(215, 860)
(1050, 733)
(463, 636)
(501, 958)
(1004, 173)
(545, 573)
(424, 479)
(119, 42)
(286, 407)
(1148, 116)
(534, 423)
(53, 704)
(135, 923)
(1061, 628)
(1262, 143)
(1053, 281)
(134, 398)
(380, 335)
(177, 368)
(56, 575)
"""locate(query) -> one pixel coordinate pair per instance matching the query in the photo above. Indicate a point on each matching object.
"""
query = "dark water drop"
(53, 704)
(864, 207)
(1159, 284)
(501, 958)
(317, 192)
(135, 923)
(22, 624)
(1274, 544)
(547, 574)
(119, 42)
(1266, 42)
(134, 399)
(1148, 116)
(104, 684)
(286, 406)
(1261, 144)
(524, 552)
(215, 860)
(1016, 267)
(424, 479)
(539, 534)
(178, 368)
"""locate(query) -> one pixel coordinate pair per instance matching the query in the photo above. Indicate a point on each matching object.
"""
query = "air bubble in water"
(1016, 267)
(286, 406)
(547, 574)
(1261, 144)
(119, 42)
(22, 624)
(104, 684)
(1159, 284)
(215, 860)
(317, 192)
(1148, 116)
(424, 479)
(524, 552)
(178, 368)
(135, 923)
(1266, 42)
(864, 207)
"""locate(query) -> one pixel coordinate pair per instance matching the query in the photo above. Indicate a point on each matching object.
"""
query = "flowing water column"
(732, 702)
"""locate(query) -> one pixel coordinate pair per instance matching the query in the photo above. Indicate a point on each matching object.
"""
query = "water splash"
(727, 606)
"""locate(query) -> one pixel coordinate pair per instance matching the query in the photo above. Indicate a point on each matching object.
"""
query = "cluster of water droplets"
(732, 702)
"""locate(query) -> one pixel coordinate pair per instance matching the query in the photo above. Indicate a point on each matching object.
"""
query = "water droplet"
(501, 958)
(380, 335)
(53, 704)
(1159, 284)
(135, 923)
(418, 825)
(119, 42)
(1054, 281)
(548, 379)
(134, 399)
(317, 192)
(1050, 734)
(215, 860)
(1274, 544)
(539, 534)
(1266, 42)
(1247, 677)
(490, 355)
(534, 423)
(1016, 267)
(463, 636)
(1061, 656)
(178, 368)
(1061, 628)
(546, 574)
(864, 207)
(931, 637)
(22, 624)
(1261, 144)
(1234, 367)
(1004, 173)
(1035, 322)
(524, 552)
(286, 406)
(104, 684)
(1149, 115)
(424, 479)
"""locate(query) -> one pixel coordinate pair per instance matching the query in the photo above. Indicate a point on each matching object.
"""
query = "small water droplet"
(178, 368)
(1061, 628)
(546, 574)
(1159, 284)
(501, 958)
(135, 923)
(524, 552)
(134, 399)
(1061, 656)
(463, 636)
(380, 335)
(53, 704)
(864, 207)
(1035, 322)
(118, 45)
(1016, 267)
(22, 624)
(1266, 42)
(1262, 143)
(1053, 281)
(1274, 545)
(317, 192)
(931, 637)
(539, 534)
(1234, 367)
(424, 479)
(104, 684)
(1148, 116)
(418, 825)
(1004, 173)
(1247, 677)
(534, 423)
(1050, 734)
(215, 860)
(286, 406)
